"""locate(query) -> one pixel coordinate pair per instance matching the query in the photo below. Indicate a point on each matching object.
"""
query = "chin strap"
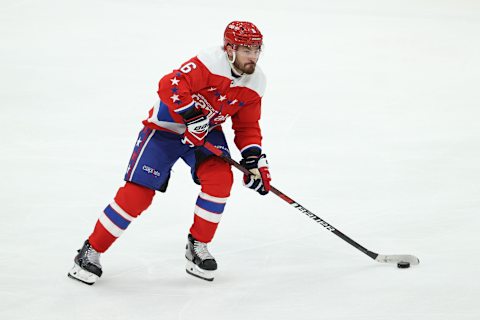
(230, 62)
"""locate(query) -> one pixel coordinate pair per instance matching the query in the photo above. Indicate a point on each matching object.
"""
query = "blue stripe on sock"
(210, 206)
(119, 221)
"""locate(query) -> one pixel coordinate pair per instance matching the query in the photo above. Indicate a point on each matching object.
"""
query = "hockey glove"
(259, 180)
(196, 131)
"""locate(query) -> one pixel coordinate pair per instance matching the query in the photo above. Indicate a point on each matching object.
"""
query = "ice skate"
(87, 267)
(200, 263)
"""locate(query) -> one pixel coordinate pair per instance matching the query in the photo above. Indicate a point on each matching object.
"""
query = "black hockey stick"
(385, 258)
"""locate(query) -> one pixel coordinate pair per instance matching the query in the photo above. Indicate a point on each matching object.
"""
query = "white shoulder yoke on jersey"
(216, 62)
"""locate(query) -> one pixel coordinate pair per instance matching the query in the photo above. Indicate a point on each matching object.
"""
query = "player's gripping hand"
(196, 131)
(259, 180)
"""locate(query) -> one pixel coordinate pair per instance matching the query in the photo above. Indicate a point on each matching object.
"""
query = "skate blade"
(82, 275)
(195, 271)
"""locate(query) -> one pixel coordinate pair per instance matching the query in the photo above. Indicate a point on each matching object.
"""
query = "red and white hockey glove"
(196, 131)
(259, 180)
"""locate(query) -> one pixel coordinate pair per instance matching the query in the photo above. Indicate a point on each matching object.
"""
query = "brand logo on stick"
(314, 217)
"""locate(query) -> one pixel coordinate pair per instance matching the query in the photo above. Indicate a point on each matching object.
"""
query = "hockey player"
(194, 101)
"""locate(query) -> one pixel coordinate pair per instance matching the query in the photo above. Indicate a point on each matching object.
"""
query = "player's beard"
(247, 68)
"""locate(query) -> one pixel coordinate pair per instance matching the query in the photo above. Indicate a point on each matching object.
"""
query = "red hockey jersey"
(206, 81)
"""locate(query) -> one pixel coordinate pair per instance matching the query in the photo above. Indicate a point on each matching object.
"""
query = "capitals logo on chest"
(215, 116)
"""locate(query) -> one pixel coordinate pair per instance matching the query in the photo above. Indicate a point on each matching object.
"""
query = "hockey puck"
(403, 265)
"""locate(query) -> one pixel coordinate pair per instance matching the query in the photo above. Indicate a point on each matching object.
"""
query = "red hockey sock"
(131, 200)
(216, 179)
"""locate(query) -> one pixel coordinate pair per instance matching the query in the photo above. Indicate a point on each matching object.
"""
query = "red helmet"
(242, 33)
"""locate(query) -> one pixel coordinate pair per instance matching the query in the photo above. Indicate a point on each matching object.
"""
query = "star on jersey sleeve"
(175, 89)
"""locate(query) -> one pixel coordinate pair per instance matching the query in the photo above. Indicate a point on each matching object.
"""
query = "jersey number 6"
(188, 67)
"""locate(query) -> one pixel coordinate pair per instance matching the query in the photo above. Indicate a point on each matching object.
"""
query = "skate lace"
(93, 256)
(201, 250)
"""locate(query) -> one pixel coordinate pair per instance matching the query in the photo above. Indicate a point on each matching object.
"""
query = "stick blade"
(396, 258)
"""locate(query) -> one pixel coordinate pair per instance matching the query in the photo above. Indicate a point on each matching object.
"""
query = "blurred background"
(370, 120)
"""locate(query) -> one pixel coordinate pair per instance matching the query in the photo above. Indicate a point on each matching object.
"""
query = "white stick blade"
(396, 258)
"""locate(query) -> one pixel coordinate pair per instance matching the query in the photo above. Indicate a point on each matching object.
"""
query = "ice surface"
(370, 120)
